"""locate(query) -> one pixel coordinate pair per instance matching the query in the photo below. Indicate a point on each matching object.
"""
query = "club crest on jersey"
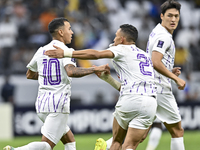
(73, 60)
(160, 44)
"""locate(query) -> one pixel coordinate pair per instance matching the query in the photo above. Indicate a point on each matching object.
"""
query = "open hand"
(55, 53)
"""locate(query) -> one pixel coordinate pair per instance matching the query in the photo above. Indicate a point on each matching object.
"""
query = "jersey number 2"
(144, 64)
(47, 71)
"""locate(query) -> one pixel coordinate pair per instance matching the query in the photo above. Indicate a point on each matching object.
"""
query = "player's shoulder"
(161, 32)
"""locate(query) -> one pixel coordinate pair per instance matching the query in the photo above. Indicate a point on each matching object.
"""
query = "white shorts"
(135, 111)
(167, 110)
(55, 125)
(157, 120)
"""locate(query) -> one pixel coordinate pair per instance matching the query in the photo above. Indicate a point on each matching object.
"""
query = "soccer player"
(136, 106)
(161, 49)
(53, 100)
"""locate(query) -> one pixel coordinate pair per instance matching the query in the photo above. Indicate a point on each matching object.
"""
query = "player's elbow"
(31, 75)
(155, 64)
(28, 75)
(70, 74)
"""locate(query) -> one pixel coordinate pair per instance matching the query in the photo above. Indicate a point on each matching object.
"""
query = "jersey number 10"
(53, 65)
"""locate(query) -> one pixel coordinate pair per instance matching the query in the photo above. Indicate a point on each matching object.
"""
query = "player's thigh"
(133, 137)
(54, 126)
(167, 110)
(118, 132)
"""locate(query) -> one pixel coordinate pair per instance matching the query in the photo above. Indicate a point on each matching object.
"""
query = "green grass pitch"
(87, 141)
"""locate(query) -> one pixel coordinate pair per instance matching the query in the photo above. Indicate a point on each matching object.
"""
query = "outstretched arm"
(73, 71)
(81, 54)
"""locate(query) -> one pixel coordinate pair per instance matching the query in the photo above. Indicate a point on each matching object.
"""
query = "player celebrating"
(161, 49)
(136, 107)
(53, 100)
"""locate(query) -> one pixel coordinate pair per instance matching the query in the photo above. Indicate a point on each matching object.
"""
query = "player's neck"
(129, 43)
(170, 31)
(58, 39)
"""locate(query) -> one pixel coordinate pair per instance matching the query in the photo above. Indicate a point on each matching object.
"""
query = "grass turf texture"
(87, 141)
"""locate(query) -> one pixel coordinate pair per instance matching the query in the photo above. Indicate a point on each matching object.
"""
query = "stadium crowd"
(23, 28)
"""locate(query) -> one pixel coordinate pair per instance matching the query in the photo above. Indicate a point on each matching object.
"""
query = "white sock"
(70, 146)
(35, 146)
(109, 142)
(154, 138)
(177, 143)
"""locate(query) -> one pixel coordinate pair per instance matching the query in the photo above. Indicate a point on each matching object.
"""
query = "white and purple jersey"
(161, 40)
(134, 69)
(54, 84)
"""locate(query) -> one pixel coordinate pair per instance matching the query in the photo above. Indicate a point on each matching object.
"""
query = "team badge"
(160, 44)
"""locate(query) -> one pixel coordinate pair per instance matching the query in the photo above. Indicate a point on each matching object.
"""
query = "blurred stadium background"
(23, 29)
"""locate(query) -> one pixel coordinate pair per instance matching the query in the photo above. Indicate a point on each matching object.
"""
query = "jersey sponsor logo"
(73, 60)
(160, 44)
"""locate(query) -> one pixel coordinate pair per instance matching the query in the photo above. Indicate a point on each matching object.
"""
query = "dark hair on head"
(170, 4)
(55, 24)
(130, 32)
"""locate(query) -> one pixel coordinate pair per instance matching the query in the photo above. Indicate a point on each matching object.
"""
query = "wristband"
(108, 78)
(68, 53)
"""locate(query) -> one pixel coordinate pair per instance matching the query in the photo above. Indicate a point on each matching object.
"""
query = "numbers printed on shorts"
(144, 64)
(49, 68)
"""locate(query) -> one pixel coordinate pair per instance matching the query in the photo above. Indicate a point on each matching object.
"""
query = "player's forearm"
(79, 72)
(159, 67)
(109, 79)
(86, 54)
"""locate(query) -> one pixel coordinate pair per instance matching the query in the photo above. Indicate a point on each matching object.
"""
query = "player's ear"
(60, 32)
(123, 39)
(161, 16)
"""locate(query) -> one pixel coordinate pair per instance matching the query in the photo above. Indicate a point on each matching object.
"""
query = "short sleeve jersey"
(134, 69)
(161, 40)
(54, 84)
